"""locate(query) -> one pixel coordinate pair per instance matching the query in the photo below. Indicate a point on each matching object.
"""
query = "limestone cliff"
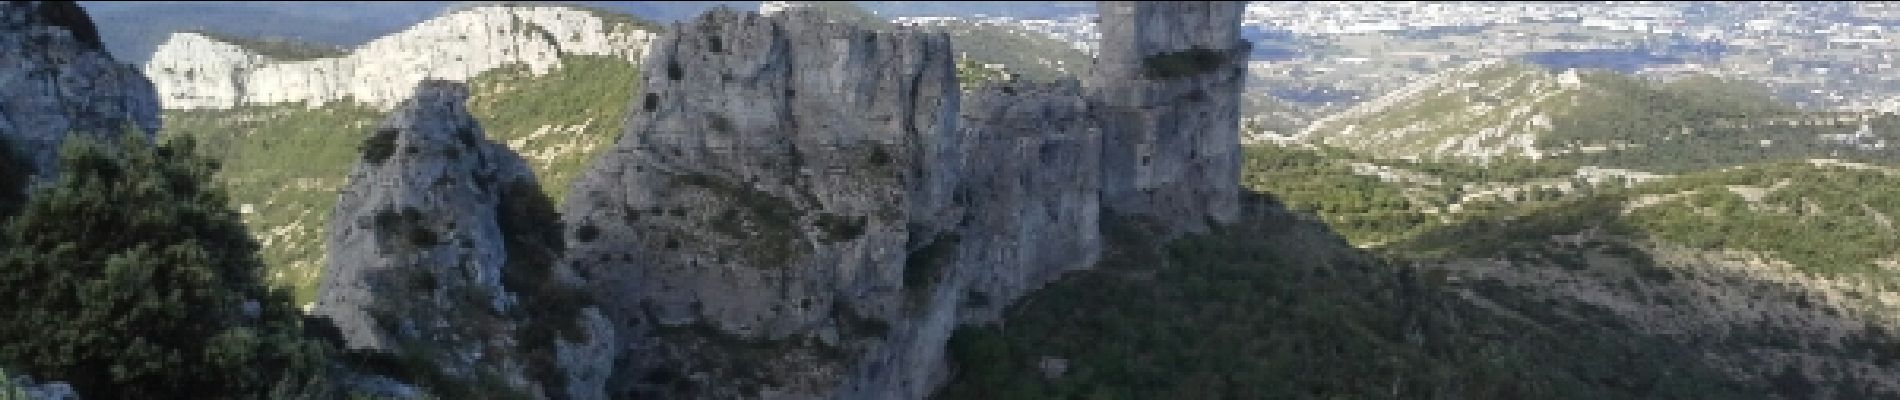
(801, 208)
(196, 71)
(770, 182)
(1167, 87)
(1033, 187)
(434, 254)
(56, 78)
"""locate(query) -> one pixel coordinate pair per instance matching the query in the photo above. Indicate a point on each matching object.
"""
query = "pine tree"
(130, 276)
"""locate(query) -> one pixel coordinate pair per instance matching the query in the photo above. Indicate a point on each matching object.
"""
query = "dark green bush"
(130, 277)
(840, 228)
(380, 146)
(1193, 61)
(922, 266)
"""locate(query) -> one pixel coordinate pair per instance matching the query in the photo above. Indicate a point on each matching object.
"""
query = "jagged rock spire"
(426, 256)
(56, 79)
(1167, 88)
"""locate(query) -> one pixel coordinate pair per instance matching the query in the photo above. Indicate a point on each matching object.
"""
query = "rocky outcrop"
(435, 253)
(1032, 187)
(800, 208)
(1167, 89)
(195, 71)
(772, 180)
(56, 79)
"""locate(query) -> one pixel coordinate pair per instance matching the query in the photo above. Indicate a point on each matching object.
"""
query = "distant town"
(1325, 55)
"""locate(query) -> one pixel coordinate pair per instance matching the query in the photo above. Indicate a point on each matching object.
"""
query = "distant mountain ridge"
(1496, 110)
(193, 70)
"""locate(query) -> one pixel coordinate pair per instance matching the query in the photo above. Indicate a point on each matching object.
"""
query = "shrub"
(406, 224)
(1193, 61)
(840, 228)
(131, 277)
(587, 233)
(380, 146)
(532, 235)
(923, 266)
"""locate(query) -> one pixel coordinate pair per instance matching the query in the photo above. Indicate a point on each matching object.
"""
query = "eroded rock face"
(193, 71)
(418, 213)
(56, 78)
(1167, 89)
(1028, 191)
(803, 209)
(432, 255)
(771, 181)
(1033, 188)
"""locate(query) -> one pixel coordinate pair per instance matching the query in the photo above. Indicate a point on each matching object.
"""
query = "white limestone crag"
(800, 208)
(773, 176)
(194, 71)
(56, 79)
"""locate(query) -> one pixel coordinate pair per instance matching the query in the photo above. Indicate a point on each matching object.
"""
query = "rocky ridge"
(1483, 110)
(56, 78)
(800, 208)
(196, 71)
(430, 257)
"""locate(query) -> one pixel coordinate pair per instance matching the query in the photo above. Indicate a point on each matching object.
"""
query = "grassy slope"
(1823, 219)
(1496, 302)
(1278, 307)
(287, 162)
(1680, 126)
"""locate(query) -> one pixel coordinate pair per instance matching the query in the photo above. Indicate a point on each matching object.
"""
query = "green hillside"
(1664, 289)
(1601, 118)
(285, 163)
(1276, 307)
(1823, 219)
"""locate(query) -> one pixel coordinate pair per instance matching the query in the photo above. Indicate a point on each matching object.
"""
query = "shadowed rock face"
(419, 255)
(55, 79)
(1032, 188)
(1167, 89)
(420, 206)
(198, 71)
